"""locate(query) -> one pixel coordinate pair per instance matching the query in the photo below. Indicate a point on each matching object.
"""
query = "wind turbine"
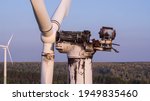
(6, 49)
(77, 45)
(49, 28)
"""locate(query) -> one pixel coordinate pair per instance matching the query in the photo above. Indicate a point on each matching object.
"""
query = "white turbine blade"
(61, 12)
(2, 46)
(9, 40)
(10, 55)
(5, 65)
(41, 15)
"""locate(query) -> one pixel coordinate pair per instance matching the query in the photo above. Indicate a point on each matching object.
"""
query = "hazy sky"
(130, 18)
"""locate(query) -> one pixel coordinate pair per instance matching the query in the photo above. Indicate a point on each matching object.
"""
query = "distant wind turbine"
(6, 49)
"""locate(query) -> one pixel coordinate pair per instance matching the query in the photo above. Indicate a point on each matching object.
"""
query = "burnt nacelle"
(73, 36)
(75, 43)
(72, 42)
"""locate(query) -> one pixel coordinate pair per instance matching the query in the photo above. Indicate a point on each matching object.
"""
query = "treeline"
(124, 73)
(103, 73)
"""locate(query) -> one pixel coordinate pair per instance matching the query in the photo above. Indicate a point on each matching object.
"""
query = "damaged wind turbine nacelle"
(76, 45)
(49, 28)
(79, 60)
(80, 50)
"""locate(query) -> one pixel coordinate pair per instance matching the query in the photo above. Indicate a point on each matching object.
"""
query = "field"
(103, 73)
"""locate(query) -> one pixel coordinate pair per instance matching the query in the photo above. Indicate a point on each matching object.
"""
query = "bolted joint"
(48, 56)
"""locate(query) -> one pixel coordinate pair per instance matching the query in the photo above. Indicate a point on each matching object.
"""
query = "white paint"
(88, 71)
(48, 37)
(5, 66)
(80, 71)
(47, 66)
(42, 16)
(82, 66)
(79, 62)
(61, 12)
(6, 49)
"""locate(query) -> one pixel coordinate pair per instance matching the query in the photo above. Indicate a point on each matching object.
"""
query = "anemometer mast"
(76, 45)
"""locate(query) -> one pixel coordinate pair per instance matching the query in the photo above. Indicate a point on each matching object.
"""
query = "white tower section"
(80, 71)
(49, 29)
(75, 45)
(79, 63)
(6, 49)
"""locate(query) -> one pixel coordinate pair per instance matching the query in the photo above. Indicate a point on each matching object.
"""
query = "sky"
(130, 18)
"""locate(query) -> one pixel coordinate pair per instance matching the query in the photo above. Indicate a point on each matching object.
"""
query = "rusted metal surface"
(80, 71)
(74, 36)
(80, 50)
(67, 40)
(107, 33)
(48, 56)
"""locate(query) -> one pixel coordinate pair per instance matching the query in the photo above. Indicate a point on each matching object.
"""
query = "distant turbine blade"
(10, 55)
(42, 16)
(2, 46)
(61, 12)
(10, 40)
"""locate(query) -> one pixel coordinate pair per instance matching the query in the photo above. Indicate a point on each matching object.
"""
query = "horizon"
(67, 62)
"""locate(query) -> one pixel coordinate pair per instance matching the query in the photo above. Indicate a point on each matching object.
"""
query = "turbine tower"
(6, 49)
(49, 28)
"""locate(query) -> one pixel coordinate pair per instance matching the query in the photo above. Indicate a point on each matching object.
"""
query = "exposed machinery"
(80, 50)
(82, 38)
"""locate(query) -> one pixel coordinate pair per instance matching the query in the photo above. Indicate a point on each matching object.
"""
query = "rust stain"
(48, 56)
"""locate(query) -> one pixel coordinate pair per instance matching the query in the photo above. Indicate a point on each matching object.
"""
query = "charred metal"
(66, 40)
(48, 56)
(80, 49)
(73, 37)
